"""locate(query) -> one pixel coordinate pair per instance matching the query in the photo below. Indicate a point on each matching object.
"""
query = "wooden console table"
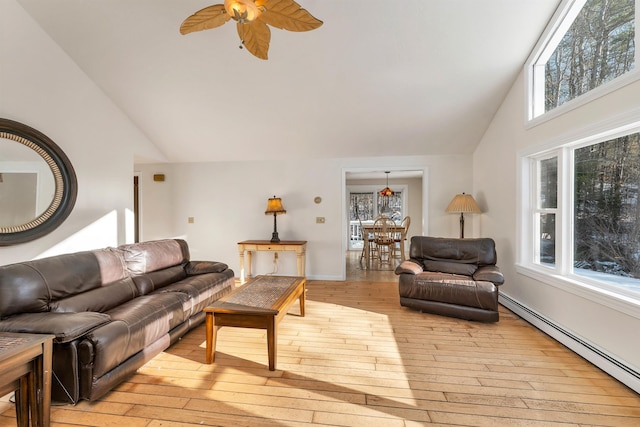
(25, 366)
(250, 246)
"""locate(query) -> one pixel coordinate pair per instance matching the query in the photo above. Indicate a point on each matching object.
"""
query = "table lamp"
(274, 206)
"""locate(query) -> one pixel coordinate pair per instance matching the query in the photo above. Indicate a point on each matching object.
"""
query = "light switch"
(190, 220)
(319, 220)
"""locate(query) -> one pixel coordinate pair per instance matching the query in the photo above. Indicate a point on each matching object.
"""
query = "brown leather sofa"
(111, 310)
(451, 277)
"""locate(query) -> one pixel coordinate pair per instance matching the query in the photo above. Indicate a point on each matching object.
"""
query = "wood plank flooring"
(359, 359)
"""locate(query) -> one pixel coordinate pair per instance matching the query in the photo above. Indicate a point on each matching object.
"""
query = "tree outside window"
(606, 209)
(598, 47)
(586, 51)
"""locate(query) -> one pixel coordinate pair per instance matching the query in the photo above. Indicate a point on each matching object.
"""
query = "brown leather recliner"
(451, 277)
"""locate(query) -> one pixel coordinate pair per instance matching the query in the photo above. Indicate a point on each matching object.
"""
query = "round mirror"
(38, 185)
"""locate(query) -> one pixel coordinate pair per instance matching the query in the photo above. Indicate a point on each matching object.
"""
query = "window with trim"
(584, 212)
(590, 43)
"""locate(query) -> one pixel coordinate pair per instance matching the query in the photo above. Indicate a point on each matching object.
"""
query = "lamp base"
(274, 235)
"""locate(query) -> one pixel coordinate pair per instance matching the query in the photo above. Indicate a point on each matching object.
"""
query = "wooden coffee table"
(259, 304)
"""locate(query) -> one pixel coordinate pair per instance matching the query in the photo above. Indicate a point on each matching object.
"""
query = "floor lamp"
(462, 204)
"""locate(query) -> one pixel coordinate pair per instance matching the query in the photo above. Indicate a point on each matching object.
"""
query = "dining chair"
(384, 240)
(367, 244)
(401, 237)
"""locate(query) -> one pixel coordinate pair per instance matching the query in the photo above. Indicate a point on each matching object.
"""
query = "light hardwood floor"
(359, 359)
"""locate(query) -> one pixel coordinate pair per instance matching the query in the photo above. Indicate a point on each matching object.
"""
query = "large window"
(584, 212)
(588, 44)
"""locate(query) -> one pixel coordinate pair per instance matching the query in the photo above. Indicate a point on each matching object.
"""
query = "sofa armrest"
(489, 273)
(65, 326)
(409, 267)
(203, 267)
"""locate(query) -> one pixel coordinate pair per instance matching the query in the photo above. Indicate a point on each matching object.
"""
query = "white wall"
(495, 178)
(41, 87)
(228, 200)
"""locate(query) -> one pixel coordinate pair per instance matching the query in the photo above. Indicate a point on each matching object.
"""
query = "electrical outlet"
(190, 220)
(319, 220)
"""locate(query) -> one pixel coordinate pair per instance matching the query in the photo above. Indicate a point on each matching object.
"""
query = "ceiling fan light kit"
(243, 11)
(253, 18)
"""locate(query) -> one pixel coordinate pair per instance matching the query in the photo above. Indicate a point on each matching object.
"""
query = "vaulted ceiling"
(378, 78)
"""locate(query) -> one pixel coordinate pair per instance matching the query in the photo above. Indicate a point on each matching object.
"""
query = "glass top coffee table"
(260, 304)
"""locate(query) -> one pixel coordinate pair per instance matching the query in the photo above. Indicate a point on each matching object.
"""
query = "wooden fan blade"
(289, 15)
(255, 37)
(205, 19)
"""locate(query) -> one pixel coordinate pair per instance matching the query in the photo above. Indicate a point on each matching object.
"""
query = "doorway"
(410, 182)
(136, 209)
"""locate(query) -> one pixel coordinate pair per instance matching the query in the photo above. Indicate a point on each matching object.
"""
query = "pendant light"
(386, 191)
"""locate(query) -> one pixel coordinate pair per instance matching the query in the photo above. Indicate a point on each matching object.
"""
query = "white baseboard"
(602, 359)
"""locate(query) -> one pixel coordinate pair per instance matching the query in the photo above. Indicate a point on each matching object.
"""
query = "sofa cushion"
(111, 264)
(150, 256)
(449, 288)
(202, 290)
(65, 326)
(450, 267)
(479, 251)
(28, 287)
(100, 299)
(135, 325)
(147, 283)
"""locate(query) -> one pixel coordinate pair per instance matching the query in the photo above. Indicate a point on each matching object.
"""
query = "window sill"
(609, 297)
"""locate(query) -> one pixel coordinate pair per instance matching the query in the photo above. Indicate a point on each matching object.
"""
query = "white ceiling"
(379, 78)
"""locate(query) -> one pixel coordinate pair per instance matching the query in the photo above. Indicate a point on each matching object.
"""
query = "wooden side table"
(25, 366)
(250, 246)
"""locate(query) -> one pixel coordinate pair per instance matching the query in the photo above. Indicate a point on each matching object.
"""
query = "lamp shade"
(386, 191)
(463, 203)
(274, 207)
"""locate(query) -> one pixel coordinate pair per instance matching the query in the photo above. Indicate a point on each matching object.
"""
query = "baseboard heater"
(600, 358)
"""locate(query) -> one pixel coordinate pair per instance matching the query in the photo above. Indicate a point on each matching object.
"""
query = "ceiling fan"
(253, 18)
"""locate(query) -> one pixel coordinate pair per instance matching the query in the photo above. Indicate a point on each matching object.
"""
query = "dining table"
(370, 229)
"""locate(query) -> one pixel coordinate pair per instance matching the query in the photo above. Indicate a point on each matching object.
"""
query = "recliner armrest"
(489, 273)
(65, 326)
(409, 267)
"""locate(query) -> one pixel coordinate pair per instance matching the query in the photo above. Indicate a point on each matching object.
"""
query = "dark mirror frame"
(66, 188)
